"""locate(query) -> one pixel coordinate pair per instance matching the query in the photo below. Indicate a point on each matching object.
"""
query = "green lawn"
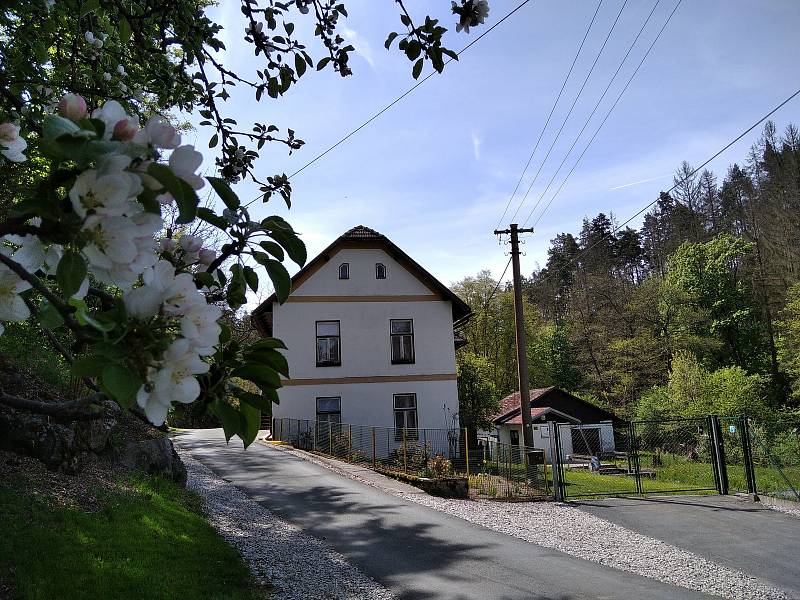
(149, 540)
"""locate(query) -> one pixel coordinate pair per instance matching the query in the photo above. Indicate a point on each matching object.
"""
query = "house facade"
(585, 429)
(370, 338)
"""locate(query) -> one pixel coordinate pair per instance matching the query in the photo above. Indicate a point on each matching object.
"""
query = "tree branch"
(77, 410)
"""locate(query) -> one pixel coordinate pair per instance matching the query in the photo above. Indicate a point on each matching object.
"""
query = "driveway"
(730, 531)
(415, 551)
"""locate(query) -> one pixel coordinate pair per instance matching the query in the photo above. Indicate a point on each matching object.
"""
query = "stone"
(154, 457)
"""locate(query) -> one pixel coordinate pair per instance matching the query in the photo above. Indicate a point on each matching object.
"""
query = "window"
(329, 410)
(514, 437)
(328, 350)
(405, 416)
(344, 271)
(380, 271)
(402, 334)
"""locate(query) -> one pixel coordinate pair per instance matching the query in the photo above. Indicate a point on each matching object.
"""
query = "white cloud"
(361, 45)
(476, 145)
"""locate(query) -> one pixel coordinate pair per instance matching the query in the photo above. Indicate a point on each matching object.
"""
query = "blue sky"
(436, 171)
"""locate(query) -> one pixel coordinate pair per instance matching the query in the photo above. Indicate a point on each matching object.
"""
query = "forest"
(696, 312)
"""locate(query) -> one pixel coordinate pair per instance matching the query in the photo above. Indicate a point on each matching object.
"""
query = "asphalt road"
(732, 532)
(417, 552)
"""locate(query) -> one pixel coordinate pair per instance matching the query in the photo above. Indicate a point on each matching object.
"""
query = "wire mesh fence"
(775, 448)
(492, 469)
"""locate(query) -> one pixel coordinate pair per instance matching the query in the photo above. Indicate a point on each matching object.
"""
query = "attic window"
(380, 271)
(344, 271)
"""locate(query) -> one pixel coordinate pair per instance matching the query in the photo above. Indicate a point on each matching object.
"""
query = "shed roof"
(555, 400)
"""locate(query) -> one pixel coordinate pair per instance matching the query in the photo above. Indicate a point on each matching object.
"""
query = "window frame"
(378, 267)
(402, 361)
(412, 433)
(346, 267)
(328, 412)
(337, 363)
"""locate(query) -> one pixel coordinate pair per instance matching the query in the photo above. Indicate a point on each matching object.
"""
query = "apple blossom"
(184, 161)
(206, 256)
(12, 306)
(125, 129)
(191, 244)
(167, 245)
(104, 194)
(12, 144)
(89, 36)
(73, 107)
(121, 70)
(110, 114)
(200, 327)
(158, 133)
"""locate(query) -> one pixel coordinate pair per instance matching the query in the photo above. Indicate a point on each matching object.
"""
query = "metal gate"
(676, 456)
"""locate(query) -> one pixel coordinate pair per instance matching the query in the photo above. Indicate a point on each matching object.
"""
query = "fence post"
(330, 440)
(466, 450)
(374, 462)
(405, 452)
(719, 455)
(747, 455)
(281, 433)
(555, 461)
(633, 448)
(314, 435)
(350, 440)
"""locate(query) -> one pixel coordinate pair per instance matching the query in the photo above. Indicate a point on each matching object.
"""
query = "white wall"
(365, 339)
(326, 282)
(373, 403)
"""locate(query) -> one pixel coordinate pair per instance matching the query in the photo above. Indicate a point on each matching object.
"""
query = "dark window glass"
(344, 271)
(380, 271)
(328, 344)
(402, 341)
(405, 416)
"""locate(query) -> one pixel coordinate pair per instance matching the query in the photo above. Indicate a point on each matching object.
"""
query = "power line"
(571, 108)
(687, 177)
(401, 97)
(597, 104)
(552, 110)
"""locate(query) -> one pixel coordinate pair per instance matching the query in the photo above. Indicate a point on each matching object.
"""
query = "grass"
(149, 540)
(24, 344)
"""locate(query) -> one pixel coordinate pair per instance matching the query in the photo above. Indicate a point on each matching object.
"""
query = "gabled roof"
(364, 237)
(555, 400)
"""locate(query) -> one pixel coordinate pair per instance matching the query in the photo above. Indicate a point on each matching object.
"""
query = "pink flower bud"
(207, 256)
(167, 245)
(126, 129)
(72, 107)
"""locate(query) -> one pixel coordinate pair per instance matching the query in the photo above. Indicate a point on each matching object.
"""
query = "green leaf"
(415, 72)
(280, 279)
(322, 62)
(108, 350)
(225, 334)
(49, 317)
(208, 215)
(261, 375)
(55, 126)
(273, 358)
(299, 64)
(89, 366)
(213, 141)
(294, 245)
(251, 421)
(273, 249)
(225, 192)
(124, 31)
(228, 416)
(88, 6)
(259, 401)
(185, 196)
(251, 278)
(390, 39)
(121, 383)
(266, 343)
(71, 272)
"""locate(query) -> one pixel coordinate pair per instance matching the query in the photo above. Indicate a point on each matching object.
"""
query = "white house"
(370, 338)
(585, 429)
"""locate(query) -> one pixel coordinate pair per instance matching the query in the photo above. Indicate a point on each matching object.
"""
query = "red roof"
(535, 414)
(511, 402)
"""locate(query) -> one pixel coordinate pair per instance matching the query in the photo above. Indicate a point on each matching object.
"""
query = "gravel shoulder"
(295, 565)
(577, 533)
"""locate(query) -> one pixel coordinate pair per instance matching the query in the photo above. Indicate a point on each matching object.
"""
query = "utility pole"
(519, 321)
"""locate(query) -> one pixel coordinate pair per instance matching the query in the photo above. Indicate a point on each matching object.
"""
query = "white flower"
(200, 327)
(157, 132)
(107, 76)
(206, 256)
(167, 245)
(174, 381)
(126, 129)
(104, 194)
(12, 306)
(111, 113)
(184, 161)
(11, 144)
(98, 43)
(48, 4)
(191, 244)
(73, 107)
(121, 70)
(89, 37)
